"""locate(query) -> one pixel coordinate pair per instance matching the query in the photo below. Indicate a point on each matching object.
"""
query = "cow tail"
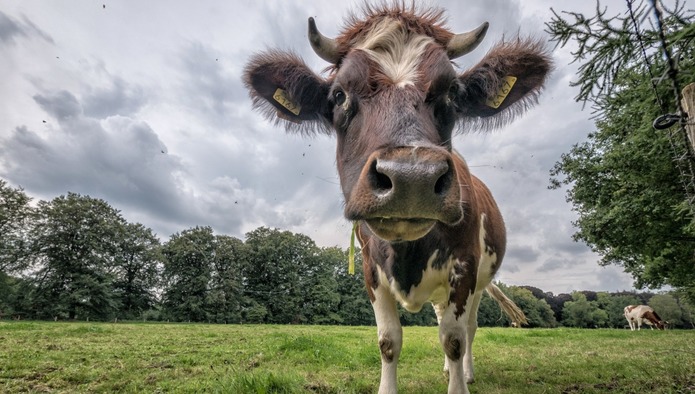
(508, 306)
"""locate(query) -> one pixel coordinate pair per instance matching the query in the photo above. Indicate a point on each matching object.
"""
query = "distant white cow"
(638, 314)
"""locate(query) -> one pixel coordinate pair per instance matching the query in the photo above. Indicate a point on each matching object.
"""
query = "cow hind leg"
(471, 328)
(439, 311)
(390, 338)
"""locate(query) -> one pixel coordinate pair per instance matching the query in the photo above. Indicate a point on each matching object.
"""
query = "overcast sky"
(141, 104)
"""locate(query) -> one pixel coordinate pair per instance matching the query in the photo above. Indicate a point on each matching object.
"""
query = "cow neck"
(405, 262)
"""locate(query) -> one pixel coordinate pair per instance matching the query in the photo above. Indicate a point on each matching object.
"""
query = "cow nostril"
(443, 184)
(380, 181)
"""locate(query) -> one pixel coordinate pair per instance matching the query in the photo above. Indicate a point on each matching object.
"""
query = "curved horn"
(461, 44)
(325, 47)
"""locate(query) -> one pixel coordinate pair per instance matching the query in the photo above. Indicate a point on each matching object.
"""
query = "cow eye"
(339, 97)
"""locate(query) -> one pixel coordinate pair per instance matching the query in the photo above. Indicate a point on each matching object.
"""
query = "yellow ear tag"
(351, 255)
(283, 99)
(495, 102)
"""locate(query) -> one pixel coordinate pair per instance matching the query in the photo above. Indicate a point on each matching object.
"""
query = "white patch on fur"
(433, 287)
(487, 260)
(396, 51)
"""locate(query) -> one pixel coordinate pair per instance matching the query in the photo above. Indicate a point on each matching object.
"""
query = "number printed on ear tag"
(281, 97)
(507, 85)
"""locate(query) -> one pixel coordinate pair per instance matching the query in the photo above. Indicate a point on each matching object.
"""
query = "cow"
(638, 314)
(429, 230)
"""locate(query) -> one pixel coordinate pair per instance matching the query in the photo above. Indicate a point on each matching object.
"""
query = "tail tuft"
(508, 306)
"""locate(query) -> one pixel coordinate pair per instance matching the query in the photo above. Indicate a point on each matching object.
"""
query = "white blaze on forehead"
(395, 50)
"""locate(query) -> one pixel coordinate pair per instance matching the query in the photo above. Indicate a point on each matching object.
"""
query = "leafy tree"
(623, 181)
(583, 313)
(137, 266)
(276, 262)
(354, 308)
(666, 306)
(687, 309)
(614, 305)
(321, 297)
(557, 303)
(253, 312)
(15, 215)
(8, 294)
(73, 248)
(225, 298)
(15, 297)
(537, 311)
(188, 258)
(489, 313)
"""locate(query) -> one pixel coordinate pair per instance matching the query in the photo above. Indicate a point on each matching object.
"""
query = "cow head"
(393, 99)
(653, 319)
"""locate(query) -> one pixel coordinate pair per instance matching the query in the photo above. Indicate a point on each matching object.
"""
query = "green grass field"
(182, 358)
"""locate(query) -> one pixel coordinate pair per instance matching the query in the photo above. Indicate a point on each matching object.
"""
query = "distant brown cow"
(429, 230)
(638, 314)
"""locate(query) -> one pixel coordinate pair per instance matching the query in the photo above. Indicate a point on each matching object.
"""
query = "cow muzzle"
(403, 192)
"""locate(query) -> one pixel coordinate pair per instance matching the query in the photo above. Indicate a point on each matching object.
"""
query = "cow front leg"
(390, 338)
(471, 328)
(452, 335)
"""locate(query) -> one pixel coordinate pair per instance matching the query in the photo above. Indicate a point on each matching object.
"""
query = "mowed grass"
(191, 358)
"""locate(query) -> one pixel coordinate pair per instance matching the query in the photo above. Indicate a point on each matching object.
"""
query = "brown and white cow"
(429, 230)
(638, 314)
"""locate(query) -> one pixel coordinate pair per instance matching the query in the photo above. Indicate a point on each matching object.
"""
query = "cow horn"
(461, 44)
(325, 47)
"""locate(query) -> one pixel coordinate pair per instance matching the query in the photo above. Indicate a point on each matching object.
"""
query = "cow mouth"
(400, 229)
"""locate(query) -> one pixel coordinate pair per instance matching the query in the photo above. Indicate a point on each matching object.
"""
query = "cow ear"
(505, 83)
(284, 88)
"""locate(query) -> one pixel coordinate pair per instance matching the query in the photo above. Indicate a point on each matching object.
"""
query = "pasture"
(77, 357)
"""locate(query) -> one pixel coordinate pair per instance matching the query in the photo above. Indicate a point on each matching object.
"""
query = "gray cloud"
(116, 158)
(554, 264)
(11, 29)
(120, 98)
(209, 86)
(523, 254)
(610, 279)
(62, 105)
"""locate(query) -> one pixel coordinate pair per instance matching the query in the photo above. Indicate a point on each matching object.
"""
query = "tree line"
(76, 257)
